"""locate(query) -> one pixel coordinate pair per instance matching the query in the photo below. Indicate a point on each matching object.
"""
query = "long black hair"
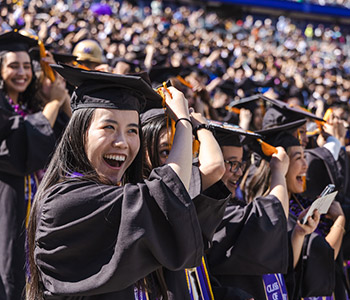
(69, 157)
(151, 130)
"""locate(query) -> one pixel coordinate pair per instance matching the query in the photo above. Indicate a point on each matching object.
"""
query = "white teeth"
(115, 157)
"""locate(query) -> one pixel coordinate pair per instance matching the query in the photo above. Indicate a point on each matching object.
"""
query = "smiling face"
(297, 169)
(230, 179)
(16, 71)
(112, 142)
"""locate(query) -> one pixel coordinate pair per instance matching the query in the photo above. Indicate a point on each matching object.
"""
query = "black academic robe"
(323, 169)
(210, 208)
(25, 145)
(94, 241)
(314, 274)
(251, 241)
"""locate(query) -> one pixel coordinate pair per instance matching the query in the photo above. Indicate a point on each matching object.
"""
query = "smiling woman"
(26, 142)
(97, 229)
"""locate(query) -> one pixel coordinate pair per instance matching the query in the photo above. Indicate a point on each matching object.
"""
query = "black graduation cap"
(280, 137)
(59, 57)
(228, 87)
(151, 114)
(14, 41)
(159, 74)
(279, 115)
(250, 103)
(107, 90)
(231, 135)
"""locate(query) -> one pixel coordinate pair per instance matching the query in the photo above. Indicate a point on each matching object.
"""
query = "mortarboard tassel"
(266, 148)
(78, 65)
(327, 114)
(232, 109)
(184, 82)
(48, 72)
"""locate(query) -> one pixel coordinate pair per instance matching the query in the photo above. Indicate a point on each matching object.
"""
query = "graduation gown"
(322, 170)
(251, 241)
(94, 241)
(314, 274)
(210, 207)
(25, 145)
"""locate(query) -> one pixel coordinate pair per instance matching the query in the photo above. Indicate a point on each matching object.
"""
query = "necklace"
(17, 108)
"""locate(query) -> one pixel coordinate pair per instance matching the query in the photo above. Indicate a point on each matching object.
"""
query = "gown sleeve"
(93, 238)
(251, 240)
(27, 144)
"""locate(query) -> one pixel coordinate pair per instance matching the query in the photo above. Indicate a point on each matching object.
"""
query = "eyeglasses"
(235, 165)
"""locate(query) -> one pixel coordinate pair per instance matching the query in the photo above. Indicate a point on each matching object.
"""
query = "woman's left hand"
(310, 225)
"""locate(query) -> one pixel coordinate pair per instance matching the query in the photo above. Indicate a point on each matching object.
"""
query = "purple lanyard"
(275, 287)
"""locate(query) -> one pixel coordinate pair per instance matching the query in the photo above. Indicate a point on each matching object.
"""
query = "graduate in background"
(207, 191)
(313, 252)
(97, 229)
(27, 140)
(252, 239)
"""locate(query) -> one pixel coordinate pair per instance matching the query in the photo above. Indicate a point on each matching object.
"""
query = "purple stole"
(275, 287)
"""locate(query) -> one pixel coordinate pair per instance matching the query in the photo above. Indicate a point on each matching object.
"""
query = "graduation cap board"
(279, 115)
(232, 135)
(151, 114)
(14, 41)
(160, 74)
(107, 90)
(58, 57)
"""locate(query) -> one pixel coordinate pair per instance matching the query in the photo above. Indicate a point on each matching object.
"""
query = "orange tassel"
(233, 109)
(195, 147)
(304, 183)
(78, 65)
(266, 148)
(48, 72)
(327, 114)
(184, 82)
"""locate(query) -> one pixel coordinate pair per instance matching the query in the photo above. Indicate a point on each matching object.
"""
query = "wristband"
(183, 119)
(199, 127)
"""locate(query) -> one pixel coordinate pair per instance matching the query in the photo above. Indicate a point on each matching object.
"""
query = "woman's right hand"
(177, 104)
(280, 161)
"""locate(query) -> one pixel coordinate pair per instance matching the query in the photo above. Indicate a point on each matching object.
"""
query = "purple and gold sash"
(198, 283)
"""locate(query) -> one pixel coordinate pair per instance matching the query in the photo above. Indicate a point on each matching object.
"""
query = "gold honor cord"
(28, 189)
